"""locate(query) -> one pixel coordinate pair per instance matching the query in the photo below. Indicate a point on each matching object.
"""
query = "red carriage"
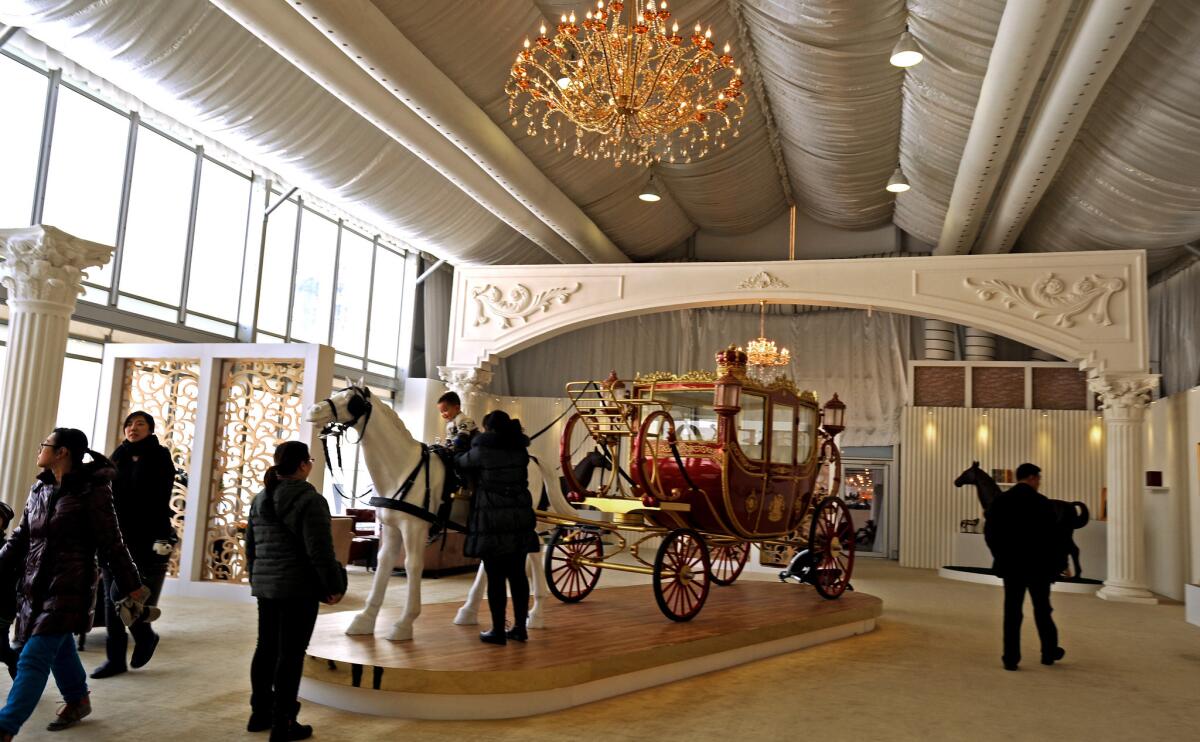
(713, 464)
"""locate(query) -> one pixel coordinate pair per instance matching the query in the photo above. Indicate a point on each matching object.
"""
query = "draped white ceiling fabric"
(868, 372)
(1132, 178)
(836, 100)
(833, 123)
(194, 63)
(940, 95)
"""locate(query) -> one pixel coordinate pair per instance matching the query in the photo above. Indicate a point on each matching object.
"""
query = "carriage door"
(868, 491)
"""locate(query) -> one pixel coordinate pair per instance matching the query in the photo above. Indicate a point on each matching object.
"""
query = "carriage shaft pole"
(635, 568)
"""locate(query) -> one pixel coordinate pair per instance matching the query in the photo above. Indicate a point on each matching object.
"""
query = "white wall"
(938, 443)
(1172, 519)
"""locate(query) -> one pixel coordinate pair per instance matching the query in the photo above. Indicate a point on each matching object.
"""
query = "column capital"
(1123, 394)
(465, 381)
(45, 264)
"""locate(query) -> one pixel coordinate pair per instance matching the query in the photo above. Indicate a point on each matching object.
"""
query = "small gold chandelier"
(628, 84)
(761, 354)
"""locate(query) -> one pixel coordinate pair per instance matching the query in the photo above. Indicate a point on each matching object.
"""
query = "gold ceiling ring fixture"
(633, 89)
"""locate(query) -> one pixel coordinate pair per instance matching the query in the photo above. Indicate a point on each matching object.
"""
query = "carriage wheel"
(568, 579)
(681, 575)
(831, 540)
(727, 561)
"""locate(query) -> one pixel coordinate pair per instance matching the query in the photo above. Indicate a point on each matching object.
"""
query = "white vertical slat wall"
(938, 443)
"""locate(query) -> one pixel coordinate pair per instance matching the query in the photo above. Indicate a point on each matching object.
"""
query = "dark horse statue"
(1068, 516)
(584, 470)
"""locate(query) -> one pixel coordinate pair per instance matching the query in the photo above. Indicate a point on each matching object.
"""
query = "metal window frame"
(333, 294)
(370, 302)
(123, 210)
(49, 114)
(287, 330)
(189, 244)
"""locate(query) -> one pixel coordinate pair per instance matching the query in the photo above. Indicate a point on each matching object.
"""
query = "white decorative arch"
(1089, 307)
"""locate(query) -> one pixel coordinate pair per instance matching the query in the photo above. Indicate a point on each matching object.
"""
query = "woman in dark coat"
(501, 529)
(142, 497)
(289, 553)
(68, 522)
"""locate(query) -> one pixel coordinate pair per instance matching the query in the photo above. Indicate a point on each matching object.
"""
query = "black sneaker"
(107, 670)
(518, 634)
(258, 722)
(1010, 666)
(495, 636)
(143, 651)
(292, 731)
(1054, 656)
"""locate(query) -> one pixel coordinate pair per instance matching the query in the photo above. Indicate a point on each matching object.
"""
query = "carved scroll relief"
(1050, 296)
(520, 303)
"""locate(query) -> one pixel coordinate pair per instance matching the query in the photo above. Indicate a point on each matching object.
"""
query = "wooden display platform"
(614, 642)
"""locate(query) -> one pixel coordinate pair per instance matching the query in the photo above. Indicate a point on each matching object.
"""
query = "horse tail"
(1082, 515)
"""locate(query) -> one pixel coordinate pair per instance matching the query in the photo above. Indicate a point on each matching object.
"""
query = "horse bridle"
(336, 428)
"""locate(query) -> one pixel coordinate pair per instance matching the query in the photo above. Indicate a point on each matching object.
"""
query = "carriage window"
(750, 425)
(693, 413)
(806, 433)
(782, 433)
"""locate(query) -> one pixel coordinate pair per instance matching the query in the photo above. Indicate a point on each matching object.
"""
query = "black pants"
(1014, 603)
(284, 628)
(153, 573)
(507, 570)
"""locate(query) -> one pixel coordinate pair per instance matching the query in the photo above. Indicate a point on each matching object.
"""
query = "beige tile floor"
(930, 672)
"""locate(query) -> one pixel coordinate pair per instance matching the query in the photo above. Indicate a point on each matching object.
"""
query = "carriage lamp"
(833, 416)
(727, 394)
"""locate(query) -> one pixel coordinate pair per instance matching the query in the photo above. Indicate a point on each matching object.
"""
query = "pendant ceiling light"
(650, 192)
(898, 183)
(906, 53)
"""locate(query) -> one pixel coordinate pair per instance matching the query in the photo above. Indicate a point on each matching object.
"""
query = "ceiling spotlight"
(898, 183)
(906, 53)
(650, 192)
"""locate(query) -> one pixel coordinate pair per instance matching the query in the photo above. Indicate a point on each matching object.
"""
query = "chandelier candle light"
(762, 356)
(635, 91)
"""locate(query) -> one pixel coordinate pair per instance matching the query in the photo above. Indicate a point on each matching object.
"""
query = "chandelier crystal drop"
(629, 85)
(764, 359)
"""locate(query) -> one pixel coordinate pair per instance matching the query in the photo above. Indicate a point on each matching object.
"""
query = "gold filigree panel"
(167, 389)
(258, 408)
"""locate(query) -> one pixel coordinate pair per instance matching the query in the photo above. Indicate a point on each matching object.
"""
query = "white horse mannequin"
(391, 454)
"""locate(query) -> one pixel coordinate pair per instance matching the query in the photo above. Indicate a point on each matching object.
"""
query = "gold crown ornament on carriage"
(631, 87)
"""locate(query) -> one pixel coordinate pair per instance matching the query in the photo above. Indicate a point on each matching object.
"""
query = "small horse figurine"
(398, 461)
(1068, 516)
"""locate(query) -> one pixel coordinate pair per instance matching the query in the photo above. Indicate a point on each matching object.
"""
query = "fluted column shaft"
(43, 270)
(1125, 399)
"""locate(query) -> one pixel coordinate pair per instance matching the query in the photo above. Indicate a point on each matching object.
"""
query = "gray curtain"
(861, 358)
(1175, 329)
(437, 289)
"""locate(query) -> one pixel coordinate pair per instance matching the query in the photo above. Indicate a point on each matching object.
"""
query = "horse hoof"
(400, 634)
(361, 626)
(466, 618)
(535, 622)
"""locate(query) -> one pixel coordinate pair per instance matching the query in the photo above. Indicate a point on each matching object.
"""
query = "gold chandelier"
(761, 353)
(628, 84)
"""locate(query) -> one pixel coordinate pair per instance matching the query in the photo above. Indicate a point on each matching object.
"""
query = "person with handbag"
(142, 497)
(50, 560)
(290, 558)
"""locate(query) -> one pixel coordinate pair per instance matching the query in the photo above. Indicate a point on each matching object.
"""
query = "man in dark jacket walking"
(1020, 533)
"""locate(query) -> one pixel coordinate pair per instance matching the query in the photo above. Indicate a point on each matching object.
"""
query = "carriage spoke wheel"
(568, 578)
(681, 574)
(832, 542)
(727, 561)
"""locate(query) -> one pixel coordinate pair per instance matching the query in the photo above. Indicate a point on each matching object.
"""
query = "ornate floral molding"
(1123, 395)
(669, 376)
(762, 280)
(47, 264)
(520, 304)
(1050, 296)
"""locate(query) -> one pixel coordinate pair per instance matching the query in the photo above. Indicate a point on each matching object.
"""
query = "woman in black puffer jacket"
(502, 528)
(289, 553)
(142, 497)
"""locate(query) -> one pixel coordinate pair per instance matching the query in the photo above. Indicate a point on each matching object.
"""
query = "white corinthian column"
(42, 270)
(1125, 397)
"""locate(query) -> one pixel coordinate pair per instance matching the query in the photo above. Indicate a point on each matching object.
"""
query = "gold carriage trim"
(657, 377)
(629, 505)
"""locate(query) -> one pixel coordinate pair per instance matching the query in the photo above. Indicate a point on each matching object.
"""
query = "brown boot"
(71, 714)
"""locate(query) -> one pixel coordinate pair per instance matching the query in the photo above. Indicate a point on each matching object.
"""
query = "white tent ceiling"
(395, 111)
